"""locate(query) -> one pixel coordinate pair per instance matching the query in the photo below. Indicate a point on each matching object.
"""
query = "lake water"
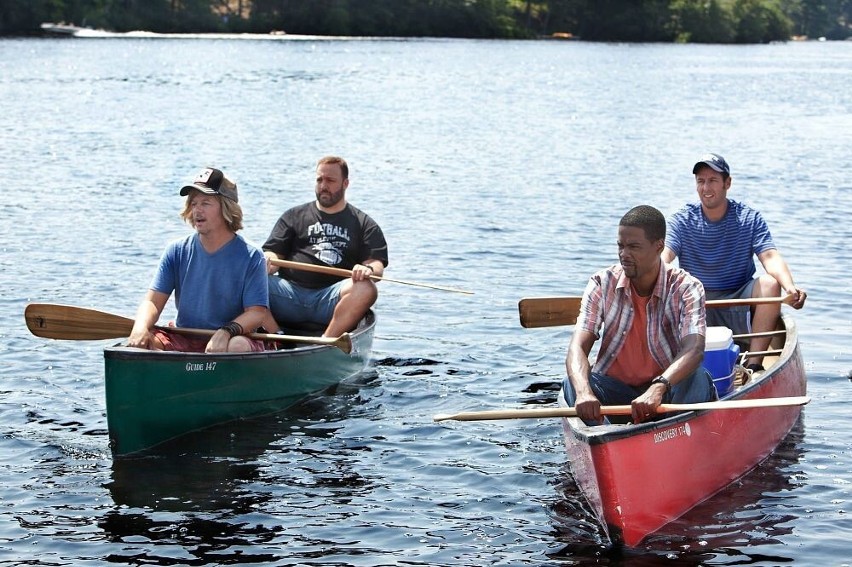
(495, 166)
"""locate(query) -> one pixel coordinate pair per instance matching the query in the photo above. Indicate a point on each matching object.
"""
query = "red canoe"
(638, 478)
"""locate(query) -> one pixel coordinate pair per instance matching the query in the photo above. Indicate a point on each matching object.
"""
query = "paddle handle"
(554, 311)
(328, 270)
(788, 299)
(348, 273)
(343, 342)
(624, 410)
(760, 334)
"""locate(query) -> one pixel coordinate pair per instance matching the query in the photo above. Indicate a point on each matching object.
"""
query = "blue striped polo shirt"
(720, 254)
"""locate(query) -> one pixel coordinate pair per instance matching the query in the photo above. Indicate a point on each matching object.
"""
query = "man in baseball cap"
(715, 162)
(212, 181)
(715, 240)
(218, 278)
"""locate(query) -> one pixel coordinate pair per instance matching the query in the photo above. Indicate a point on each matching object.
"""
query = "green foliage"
(761, 21)
(822, 18)
(408, 18)
(702, 21)
(624, 20)
(17, 16)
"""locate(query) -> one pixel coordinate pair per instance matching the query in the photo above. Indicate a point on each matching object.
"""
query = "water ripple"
(495, 166)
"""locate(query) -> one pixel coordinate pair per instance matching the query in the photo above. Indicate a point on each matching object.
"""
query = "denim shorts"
(697, 387)
(292, 304)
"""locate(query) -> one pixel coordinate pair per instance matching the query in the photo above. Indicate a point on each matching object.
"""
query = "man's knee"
(767, 286)
(698, 387)
(277, 286)
(363, 292)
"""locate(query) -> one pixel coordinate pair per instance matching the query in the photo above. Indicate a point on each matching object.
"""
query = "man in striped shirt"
(653, 322)
(715, 241)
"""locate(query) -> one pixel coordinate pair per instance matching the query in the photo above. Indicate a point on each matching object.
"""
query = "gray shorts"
(738, 318)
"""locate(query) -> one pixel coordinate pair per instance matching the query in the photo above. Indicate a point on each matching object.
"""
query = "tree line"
(699, 21)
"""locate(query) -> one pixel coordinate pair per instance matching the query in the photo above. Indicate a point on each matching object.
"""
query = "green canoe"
(154, 396)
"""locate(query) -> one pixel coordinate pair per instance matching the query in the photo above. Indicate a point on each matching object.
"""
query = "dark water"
(499, 167)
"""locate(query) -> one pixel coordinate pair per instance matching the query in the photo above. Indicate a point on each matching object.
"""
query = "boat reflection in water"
(238, 483)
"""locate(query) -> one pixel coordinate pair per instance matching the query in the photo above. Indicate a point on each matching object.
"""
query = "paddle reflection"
(743, 516)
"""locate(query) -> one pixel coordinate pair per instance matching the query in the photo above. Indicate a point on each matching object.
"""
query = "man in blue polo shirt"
(715, 241)
(218, 279)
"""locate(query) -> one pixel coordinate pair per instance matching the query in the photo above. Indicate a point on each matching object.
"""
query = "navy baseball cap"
(714, 161)
(212, 181)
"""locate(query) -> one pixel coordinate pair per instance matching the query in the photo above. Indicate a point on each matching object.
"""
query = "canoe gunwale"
(123, 352)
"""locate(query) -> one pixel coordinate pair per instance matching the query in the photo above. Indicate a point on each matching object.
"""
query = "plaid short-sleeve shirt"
(675, 310)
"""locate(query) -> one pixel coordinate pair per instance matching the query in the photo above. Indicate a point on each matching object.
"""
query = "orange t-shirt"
(633, 364)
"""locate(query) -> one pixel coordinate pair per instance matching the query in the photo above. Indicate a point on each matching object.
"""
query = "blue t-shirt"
(212, 289)
(720, 254)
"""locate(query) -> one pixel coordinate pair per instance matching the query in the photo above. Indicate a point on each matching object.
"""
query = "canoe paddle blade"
(65, 322)
(548, 311)
(51, 321)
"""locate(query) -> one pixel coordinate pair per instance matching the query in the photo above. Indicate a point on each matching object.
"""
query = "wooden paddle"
(623, 410)
(53, 321)
(554, 311)
(760, 334)
(348, 273)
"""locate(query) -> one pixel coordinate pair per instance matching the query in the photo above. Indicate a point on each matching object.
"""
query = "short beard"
(330, 200)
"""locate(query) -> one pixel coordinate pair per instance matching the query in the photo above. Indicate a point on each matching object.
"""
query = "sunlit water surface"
(497, 167)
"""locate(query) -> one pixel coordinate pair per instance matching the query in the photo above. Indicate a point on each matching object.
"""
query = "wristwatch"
(662, 380)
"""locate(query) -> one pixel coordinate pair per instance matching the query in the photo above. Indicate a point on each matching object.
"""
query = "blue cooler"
(720, 356)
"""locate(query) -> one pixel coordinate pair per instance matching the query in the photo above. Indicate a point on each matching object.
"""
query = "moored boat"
(154, 396)
(638, 478)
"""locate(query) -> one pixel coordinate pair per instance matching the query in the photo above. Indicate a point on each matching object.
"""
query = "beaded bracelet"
(233, 328)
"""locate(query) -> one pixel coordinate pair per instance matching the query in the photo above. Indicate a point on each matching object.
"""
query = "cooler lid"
(718, 338)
